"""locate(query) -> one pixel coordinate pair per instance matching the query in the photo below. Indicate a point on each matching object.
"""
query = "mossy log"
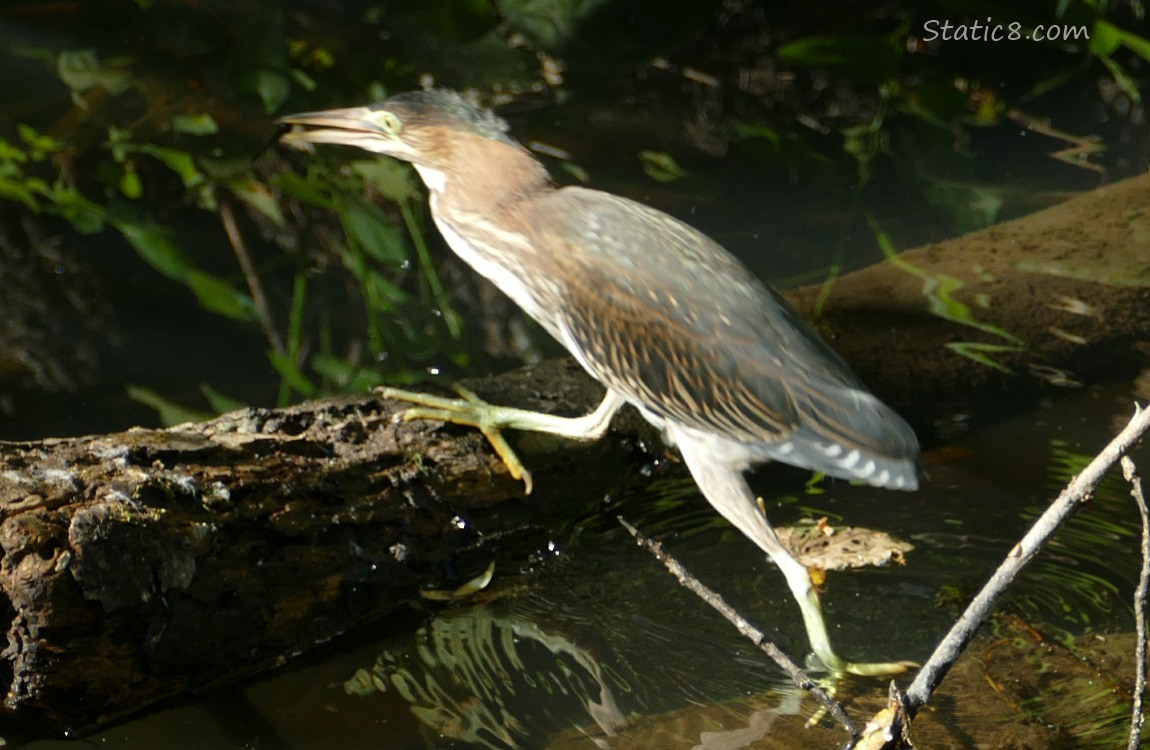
(146, 563)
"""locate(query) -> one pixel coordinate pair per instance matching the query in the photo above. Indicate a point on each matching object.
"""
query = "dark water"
(601, 633)
(604, 634)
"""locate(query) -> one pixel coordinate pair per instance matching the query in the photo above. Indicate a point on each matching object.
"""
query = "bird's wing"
(665, 316)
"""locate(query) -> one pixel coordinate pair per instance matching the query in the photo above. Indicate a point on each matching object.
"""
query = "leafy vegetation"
(327, 257)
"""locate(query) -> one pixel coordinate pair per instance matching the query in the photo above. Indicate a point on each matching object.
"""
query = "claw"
(880, 669)
(830, 682)
(469, 410)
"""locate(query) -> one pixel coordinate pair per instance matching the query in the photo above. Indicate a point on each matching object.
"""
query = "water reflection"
(478, 676)
(604, 649)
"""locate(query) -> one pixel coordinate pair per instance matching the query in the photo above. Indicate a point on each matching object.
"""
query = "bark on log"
(141, 564)
(145, 563)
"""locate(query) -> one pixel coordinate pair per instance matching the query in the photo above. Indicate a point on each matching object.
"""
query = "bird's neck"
(484, 211)
(480, 186)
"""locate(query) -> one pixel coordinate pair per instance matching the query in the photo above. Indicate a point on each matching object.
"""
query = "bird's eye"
(387, 122)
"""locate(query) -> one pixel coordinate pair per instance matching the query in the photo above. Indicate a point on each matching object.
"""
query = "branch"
(1075, 494)
(756, 636)
(1137, 718)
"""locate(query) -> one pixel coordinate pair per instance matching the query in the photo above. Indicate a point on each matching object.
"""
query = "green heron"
(661, 315)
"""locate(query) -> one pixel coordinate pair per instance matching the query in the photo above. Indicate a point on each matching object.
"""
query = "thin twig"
(263, 310)
(450, 317)
(801, 680)
(1137, 718)
(1075, 494)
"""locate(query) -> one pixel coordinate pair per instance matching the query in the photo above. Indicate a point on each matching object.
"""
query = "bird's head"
(431, 129)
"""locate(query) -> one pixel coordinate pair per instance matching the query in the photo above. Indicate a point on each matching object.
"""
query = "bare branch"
(800, 678)
(1137, 718)
(252, 277)
(1075, 494)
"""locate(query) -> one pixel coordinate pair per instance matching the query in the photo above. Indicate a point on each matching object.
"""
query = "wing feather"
(664, 315)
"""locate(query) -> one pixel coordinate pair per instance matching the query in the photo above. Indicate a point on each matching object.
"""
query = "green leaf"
(180, 162)
(382, 294)
(303, 189)
(742, 129)
(118, 142)
(980, 352)
(218, 296)
(85, 216)
(260, 197)
(305, 82)
(1122, 78)
(130, 184)
(81, 70)
(939, 289)
(1137, 44)
(155, 246)
(201, 124)
(220, 402)
(1105, 38)
(390, 177)
(971, 207)
(11, 153)
(661, 166)
(272, 86)
(369, 228)
(299, 298)
(864, 142)
(16, 190)
(169, 411)
(576, 171)
(466, 20)
(770, 146)
(290, 372)
(345, 375)
(38, 144)
(859, 57)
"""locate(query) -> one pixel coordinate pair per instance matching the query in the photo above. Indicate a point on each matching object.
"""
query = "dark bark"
(141, 564)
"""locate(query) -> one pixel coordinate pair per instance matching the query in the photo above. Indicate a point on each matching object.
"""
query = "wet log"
(142, 564)
(1027, 307)
(146, 563)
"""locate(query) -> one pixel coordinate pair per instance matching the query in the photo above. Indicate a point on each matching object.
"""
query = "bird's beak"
(350, 127)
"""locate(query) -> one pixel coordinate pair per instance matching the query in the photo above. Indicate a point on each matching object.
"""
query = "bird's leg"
(805, 593)
(726, 489)
(491, 420)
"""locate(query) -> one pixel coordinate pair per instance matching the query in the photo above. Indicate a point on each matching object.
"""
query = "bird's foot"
(874, 669)
(830, 682)
(469, 410)
(798, 577)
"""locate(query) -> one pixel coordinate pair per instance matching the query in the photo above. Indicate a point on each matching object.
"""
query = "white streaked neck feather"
(435, 180)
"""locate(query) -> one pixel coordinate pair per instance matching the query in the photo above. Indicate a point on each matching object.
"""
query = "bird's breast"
(501, 256)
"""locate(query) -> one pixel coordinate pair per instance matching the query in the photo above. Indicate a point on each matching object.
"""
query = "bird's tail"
(850, 434)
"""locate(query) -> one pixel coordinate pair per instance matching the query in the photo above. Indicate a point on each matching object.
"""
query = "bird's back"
(665, 316)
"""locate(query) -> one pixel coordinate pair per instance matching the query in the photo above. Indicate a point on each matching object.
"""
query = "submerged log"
(1046, 302)
(145, 563)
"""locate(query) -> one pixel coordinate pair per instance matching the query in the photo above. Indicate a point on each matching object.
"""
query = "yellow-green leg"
(491, 420)
(728, 492)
